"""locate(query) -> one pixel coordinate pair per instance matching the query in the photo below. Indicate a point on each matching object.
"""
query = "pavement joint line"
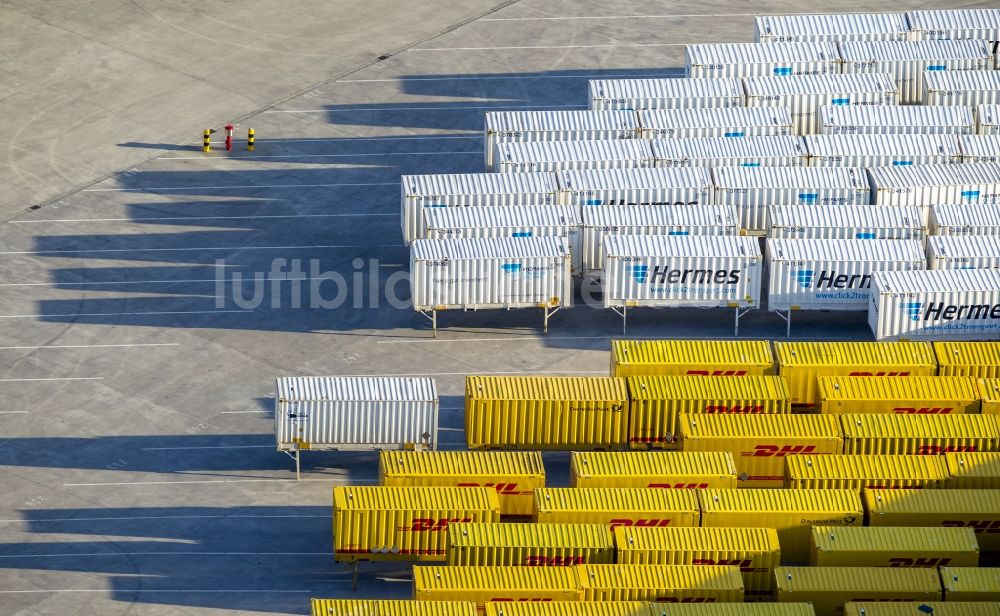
(384, 138)
(92, 554)
(267, 156)
(581, 17)
(514, 77)
(208, 447)
(113, 314)
(55, 378)
(197, 481)
(159, 517)
(498, 107)
(13, 412)
(226, 280)
(511, 338)
(141, 220)
(90, 346)
(608, 45)
(154, 189)
(239, 412)
(189, 249)
(147, 590)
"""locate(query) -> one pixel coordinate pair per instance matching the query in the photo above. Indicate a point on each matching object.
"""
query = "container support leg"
(622, 314)
(298, 464)
(787, 318)
(433, 318)
(739, 314)
(548, 313)
(354, 575)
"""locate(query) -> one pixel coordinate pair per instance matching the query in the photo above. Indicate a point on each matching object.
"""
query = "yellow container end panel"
(513, 474)
(732, 609)
(481, 585)
(802, 362)
(568, 608)
(829, 588)
(660, 583)
(923, 608)
(759, 443)
(919, 434)
(978, 359)
(617, 506)
(978, 510)
(655, 402)
(884, 546)
(385, 523)
(989, 395)
(971, 583)
(691, 357)
(373, 607)
(545, 413)
(974, 470)
(856, 472)
(792, 513)
(556, 545)
(755, 551)
(915, 395)
(652, 469)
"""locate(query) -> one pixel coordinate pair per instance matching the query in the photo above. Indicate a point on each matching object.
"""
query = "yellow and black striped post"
(250, 140)
(206, 140)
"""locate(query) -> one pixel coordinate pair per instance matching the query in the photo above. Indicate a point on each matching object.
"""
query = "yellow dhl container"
(970, 583)
(915, 395)
(556, 545)
(660, 583)
(545, 413)
(866, 471)
(481, 585)
(791, 513)
(652, 469)
(759, 443)
(989, 395)
(802, 362)
(919, 434)
(978, 359)
(974, 470)
(568, 608)
(693, 357)
(829, 588)
(732, 609)
(885, 546)
(923, 608)
(383, 523)
(755, 551)
(975, 509)
(513, 474)
(617, 506)
(656, 401)
(388, 607)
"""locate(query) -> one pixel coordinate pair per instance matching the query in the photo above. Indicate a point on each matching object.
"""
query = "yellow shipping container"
(660, 583)
(568, 608)
(974, 470)
(759, 443)
(374, 607)
(732, 609)
(829, 588)
(513, 474)
(382, 523)
(656, 401)
(970, 583)
(791, 513)
(550, 413)
(919, 434)
(802, 362)
(989, 394)
(481, 585)
(652, 469)
(755, 551)
(978, 359)
(694, 357)
(896, 546)
(617, 506)
(870, 471)
(915, 395)
(529, 544)
(975, 509)
(924, 608)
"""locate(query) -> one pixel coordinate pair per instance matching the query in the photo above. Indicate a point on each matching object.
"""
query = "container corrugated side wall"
(691, 357)
(616, 506)
(978, 510)
(865, 471)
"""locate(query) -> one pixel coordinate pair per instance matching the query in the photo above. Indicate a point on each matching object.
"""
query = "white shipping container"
(467, 189)
(882, 150)
(752, 59)
(860, 222)
(963, 251)
(805, 95)
(671, 93)
(715, 122)
(526, 126)
(965, 219)
(975, 24)
(654, 186)
(968, 88)
(832, 274)
(753, 189)
(927, 185)
(896, 120)
(980, 148)
(563, 221)
(835, 27)
(513, 157)
(935, 305)
(600, 221)
(785, 150)
(907, 61)
(988, 119)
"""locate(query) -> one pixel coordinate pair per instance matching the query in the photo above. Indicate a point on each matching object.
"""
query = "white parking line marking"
(202, 158)
(159, 517)
(238, 412)
(158, 218)
(208, 447)
(13, 412)
(91, 554)
(612, 45)
(383, 138)
(511, 338)
(114, 314)
(160, 483)
(498, 107)
(148, 591)
(237, 187)
(58, 378)
(676, 71)
(90, 346)
(467, 372)
(191, 249)
(578, 17)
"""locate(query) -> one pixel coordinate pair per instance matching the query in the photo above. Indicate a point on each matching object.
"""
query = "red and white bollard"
(229, 136)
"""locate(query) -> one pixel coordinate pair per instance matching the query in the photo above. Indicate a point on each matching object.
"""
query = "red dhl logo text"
(525, 599)
(774, 451)
(936, 450)
(553, 561)
(738, 408)
(876, 486)
(743, 564)
(717, 372)
(684, 600)
(888, 373)
(432, 525)
(923, 410)
(980, 526)
(502, 488)
(652, 522)
(679, 486)
(902, 561)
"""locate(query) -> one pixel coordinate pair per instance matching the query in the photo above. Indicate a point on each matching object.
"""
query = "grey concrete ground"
(136, 453)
